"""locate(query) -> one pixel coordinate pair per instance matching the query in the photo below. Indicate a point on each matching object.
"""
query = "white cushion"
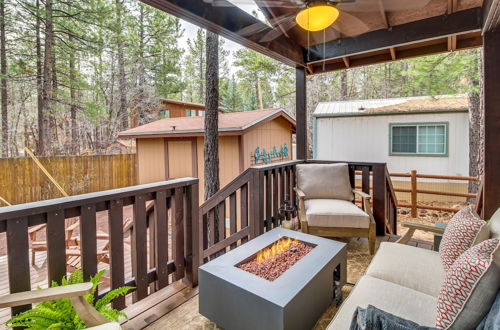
(324, 181)
(409, 266)
(395, 299)
(107, 326)
(494, 225)
(335, 213)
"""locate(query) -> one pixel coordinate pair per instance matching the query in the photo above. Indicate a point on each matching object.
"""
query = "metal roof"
(391, 105)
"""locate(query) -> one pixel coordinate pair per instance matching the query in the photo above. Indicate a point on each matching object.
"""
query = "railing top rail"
(277, 165)
(27, 209)
(348, 162)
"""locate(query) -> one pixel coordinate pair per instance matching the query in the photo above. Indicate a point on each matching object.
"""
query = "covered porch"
(170, 237)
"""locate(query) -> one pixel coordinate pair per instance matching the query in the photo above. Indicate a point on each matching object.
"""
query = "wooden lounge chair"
(326, 205)
(75, 292)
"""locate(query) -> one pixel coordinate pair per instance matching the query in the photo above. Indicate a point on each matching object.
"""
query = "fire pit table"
(304, 274)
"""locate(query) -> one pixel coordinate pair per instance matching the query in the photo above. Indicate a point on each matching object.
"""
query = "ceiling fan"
(337, 17)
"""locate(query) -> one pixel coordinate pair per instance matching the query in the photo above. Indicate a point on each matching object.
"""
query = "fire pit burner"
(237, 299)
(270, 262)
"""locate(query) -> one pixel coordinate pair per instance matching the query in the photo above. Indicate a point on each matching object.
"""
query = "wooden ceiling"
(367, 32)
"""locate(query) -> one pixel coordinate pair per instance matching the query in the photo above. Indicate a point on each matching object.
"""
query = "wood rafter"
(452, 40)
(437, 27)
(491, 15)
(346, 62)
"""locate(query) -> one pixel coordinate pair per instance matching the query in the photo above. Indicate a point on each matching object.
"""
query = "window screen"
(429, 139)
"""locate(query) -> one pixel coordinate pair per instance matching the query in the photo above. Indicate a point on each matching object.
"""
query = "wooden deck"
(165, 307)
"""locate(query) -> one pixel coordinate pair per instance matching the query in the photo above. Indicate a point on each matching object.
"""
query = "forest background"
(72, 72)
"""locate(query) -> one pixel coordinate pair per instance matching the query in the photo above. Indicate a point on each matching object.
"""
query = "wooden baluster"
(269, 210)
(178, 233)
(56, 246)
(116, 250)
(379, 192)
(88, 241)
(18, 259)
(232, 216)
(161, 238)
(192, 251)
(275, 197)
(244, 209)
(365, 180)
(221, 218)
(257, 210)
(151, 229)
(281, 185)
(211, 227)
(139, 249)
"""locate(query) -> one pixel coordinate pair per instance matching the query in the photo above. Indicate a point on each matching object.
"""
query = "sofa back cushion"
(329, 181)
(470, 287)
(494, 225)
(464, 230)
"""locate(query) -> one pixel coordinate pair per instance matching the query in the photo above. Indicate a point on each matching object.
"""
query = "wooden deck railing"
(176, 204)
(252, 202)
(414, 191)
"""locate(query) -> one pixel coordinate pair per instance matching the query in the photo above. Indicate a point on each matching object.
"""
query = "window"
(190, 113)
(165, 113)
(426, 139)
(201, 113)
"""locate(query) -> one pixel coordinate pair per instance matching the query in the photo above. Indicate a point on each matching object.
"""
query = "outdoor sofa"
(406, 281)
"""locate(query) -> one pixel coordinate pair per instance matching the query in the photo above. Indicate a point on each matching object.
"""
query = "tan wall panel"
(151, 160)
(268, 135)
(180, 159)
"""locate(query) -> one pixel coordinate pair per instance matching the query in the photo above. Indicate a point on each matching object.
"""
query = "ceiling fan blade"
(349, 25)
(261, 26)
(259, 3)
(277, 31)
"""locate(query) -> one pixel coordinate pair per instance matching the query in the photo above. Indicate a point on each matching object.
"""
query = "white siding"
(366, 138)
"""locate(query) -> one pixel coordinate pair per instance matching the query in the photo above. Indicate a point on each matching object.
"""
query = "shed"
(427, 134)
(173, 147)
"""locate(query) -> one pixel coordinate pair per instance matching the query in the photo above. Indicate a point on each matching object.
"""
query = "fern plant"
(60, 314)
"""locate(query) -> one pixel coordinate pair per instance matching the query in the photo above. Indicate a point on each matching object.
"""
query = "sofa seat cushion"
(393, 298)
(324, 181)
(335, 213)
(409, 266)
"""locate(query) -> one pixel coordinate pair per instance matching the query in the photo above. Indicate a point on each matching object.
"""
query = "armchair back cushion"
(494, 225)
(327, 181)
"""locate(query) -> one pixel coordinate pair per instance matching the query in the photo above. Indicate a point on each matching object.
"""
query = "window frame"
(445, 124)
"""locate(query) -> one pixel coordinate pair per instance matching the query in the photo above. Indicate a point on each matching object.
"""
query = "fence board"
(21, 181)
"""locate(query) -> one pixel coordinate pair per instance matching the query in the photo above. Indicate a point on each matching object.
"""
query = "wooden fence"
(413, 190)
(21, 181)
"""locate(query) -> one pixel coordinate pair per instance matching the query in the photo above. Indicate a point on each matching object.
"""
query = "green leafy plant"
(60, 314)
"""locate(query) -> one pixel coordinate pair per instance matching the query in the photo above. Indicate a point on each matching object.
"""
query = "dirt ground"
(426, 217)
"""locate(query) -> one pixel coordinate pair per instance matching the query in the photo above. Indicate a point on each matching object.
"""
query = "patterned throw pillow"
(464, 230)
(469, 287)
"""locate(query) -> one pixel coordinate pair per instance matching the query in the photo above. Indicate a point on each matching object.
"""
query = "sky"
(190, 30)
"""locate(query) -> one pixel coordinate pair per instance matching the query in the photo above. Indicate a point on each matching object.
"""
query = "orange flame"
(277, 248)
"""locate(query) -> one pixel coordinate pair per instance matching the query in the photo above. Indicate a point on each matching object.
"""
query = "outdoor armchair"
(326, 203)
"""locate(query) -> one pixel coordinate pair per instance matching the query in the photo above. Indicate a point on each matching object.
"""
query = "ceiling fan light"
(317, 18)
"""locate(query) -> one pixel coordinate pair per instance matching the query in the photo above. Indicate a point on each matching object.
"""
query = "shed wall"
(366, 138)
(150, 160)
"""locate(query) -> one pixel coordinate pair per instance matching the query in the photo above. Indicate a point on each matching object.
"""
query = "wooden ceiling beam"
(491, 15)
(464, 21)
(227, 21)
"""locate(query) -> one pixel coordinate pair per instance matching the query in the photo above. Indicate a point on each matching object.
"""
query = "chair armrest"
(427, 228)
(300, 193)
(72, 227)
(30, 297)
(362, 194)
(412, 227)
(35, 229)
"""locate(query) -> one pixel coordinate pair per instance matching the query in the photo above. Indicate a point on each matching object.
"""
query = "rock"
(424, 211)
(403, 211)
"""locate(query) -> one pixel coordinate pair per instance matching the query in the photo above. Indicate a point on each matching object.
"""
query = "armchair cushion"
(464, 230)
(324, 181)
(335, 213)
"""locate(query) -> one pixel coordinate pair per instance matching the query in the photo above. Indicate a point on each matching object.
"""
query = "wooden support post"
(379, 197)
(491, 97)
(191, 235)
(414, 193)
(301, 112)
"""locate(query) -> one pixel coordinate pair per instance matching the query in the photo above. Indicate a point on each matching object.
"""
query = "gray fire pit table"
(236, 299)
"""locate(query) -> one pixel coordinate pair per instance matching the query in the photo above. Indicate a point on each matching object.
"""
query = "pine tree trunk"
(47, 78)
(343, 85)
(212, 116)
(73, 100)
(122, 111)
(3, 71)
(39, 83)
(475, 125)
